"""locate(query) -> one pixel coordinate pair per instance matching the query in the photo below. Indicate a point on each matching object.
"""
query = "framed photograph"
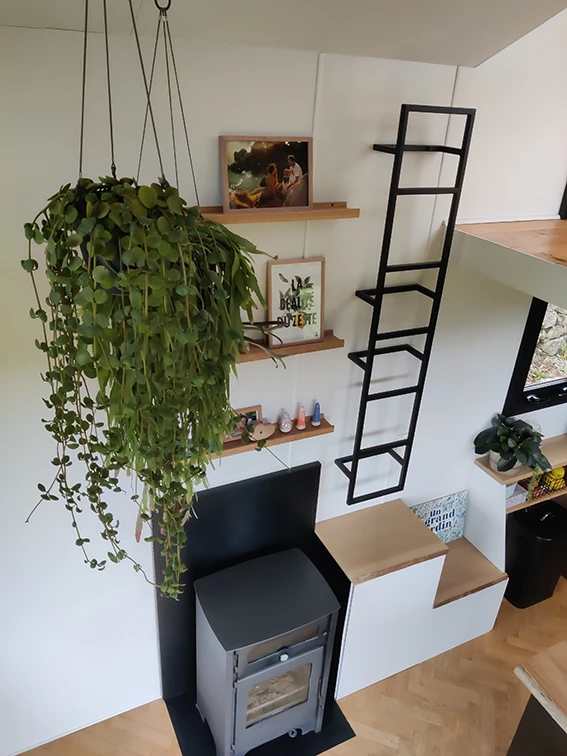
(266, 173)
(296, 300)
(248, 417)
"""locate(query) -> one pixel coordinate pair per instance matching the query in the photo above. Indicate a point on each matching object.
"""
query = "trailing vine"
(141, 329)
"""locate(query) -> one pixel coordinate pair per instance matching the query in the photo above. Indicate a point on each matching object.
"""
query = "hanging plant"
(141, 328)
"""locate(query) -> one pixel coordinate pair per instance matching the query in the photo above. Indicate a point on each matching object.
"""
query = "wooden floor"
(466, 702)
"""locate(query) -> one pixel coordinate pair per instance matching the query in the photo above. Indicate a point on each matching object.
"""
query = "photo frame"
(263, 173)
(249, 415)
(296, 300)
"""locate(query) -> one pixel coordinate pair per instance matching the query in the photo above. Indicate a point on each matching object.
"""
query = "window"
(540, 374)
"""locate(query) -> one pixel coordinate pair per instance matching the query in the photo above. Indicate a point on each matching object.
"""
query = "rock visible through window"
(549, 362)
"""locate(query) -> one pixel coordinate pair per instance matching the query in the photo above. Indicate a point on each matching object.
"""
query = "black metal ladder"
(400, 450)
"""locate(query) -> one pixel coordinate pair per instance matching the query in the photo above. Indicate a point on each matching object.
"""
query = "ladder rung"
(376, 494)
(414, 352)
(359, 358)
(413, 266)
(392, 393)
(396, 456)
(391, 148)
(340, 463)
(427, 190)
(445, 110)
(401, 334)
(408, 287)
(375, 451)
(370, 451)
(356, 358)
(369, 295)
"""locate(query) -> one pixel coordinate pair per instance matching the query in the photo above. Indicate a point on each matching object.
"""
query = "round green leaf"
(147, 196)
(29, 265)
(73, 240)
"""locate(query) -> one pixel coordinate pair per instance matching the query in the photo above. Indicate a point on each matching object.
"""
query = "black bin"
(536, 541)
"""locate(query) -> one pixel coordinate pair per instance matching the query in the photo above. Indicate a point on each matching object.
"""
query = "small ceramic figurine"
(300, 422)
(285, 422)
(316, 417)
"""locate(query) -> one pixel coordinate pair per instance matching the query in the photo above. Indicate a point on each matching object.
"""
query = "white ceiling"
(454, 32)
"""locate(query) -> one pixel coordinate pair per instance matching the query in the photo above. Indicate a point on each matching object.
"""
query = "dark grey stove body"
(265, 632)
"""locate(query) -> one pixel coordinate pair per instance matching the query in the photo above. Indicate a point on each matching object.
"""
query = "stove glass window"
(271, 697)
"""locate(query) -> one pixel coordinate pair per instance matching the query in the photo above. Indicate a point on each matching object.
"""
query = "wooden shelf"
(329, 342)
(554, 448)
(545, 676)
(533, 502)
(238, 447)
(319, 211)
(465, 571)
(546, 240)
(380, 539)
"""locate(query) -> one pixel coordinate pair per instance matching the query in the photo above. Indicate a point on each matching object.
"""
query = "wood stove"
(265, 632)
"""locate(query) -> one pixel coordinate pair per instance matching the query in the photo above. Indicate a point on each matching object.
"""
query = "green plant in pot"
(142, 326)
(511, 442)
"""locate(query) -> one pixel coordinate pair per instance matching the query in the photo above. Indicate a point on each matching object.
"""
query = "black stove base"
(236, 523)
(195, 738)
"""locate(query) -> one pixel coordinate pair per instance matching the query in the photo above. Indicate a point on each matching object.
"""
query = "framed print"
(248, 417)
(296, 300)
(266, 173)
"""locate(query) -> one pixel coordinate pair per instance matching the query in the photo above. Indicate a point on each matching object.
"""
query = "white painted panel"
(518, 161)
(526, 273)
(480, 327)
(485, 523)
(393, 626)
(385, 631)
(462, 620)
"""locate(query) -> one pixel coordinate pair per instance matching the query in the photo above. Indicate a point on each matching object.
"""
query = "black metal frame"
(374, 297)
(519, 398)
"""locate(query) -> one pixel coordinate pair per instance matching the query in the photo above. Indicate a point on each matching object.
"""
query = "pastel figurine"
(316, 417)
(285, 422)
(300, 422)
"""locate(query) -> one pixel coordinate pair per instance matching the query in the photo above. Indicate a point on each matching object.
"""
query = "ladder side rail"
(447, 243)
(381, 278)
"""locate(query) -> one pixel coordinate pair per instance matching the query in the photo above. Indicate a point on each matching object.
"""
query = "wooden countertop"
(372, 542)
(466, 570)
(546, 240)
(545, 676)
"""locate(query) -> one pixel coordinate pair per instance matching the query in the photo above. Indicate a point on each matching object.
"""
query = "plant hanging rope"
(141, 328)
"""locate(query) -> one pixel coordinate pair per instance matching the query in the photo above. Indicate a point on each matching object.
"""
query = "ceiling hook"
(163, 11)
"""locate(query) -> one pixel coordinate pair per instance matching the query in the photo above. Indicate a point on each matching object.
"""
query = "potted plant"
(510, 443)
(142, 326)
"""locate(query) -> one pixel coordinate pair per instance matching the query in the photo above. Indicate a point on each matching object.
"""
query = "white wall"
(518, 162)
(77, 647)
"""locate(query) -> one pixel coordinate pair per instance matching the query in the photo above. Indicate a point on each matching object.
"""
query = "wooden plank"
(238, 447)
(533, 502)
(319, 211)
(466, 570)
(545, 676)
(330, 341)
(554, 448)
(546, 240)
(380, 539)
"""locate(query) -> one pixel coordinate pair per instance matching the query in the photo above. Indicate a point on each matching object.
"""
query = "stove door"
(278, 699)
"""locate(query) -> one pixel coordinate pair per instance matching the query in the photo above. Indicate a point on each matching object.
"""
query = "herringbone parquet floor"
(466, 702)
